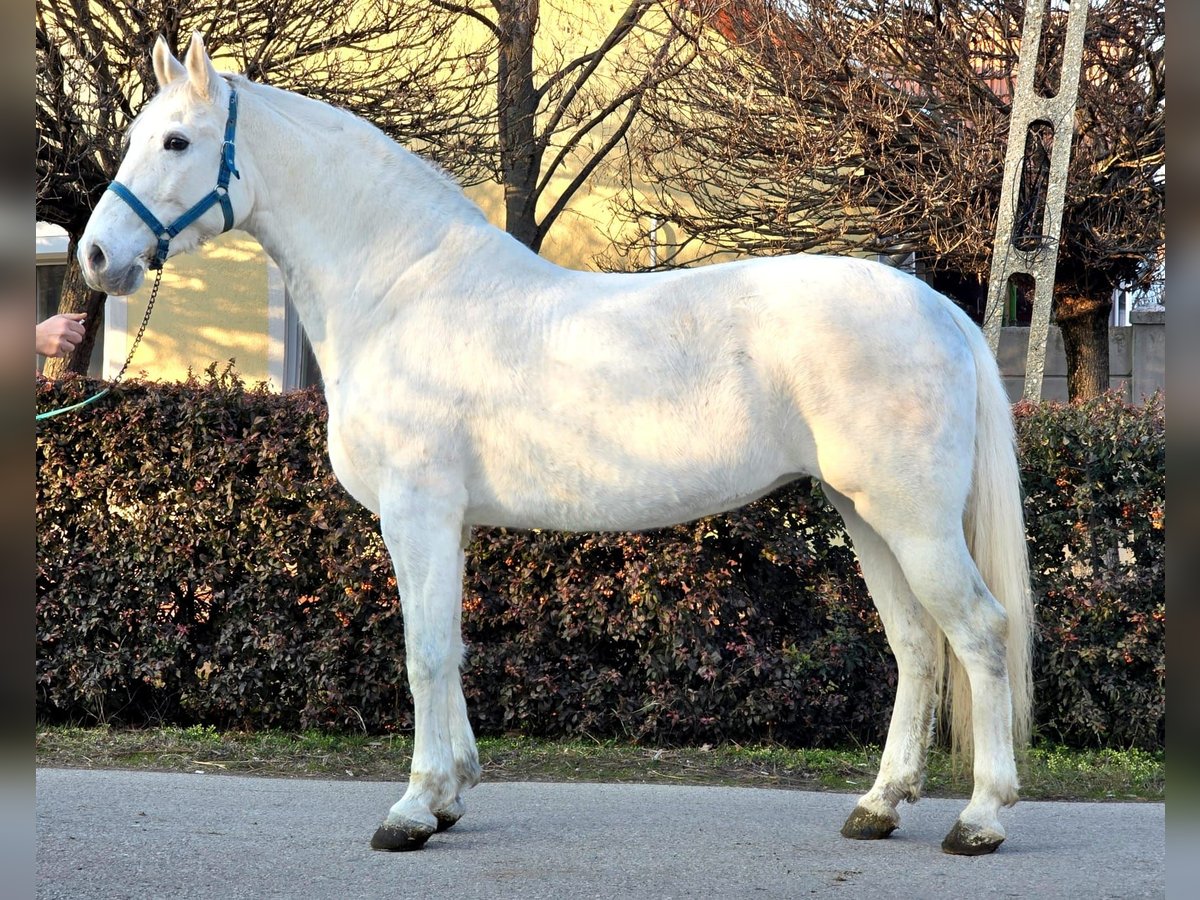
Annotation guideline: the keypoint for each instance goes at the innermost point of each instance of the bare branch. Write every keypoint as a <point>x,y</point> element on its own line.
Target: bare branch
<point>470,12</point>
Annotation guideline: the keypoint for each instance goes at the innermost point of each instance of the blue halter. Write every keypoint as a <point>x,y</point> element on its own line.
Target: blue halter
<point>219,195</point>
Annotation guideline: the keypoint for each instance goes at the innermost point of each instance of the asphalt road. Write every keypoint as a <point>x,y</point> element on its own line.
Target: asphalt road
<point>111,834</point>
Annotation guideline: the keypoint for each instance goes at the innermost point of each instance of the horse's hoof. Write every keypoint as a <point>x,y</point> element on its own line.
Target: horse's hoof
<point>971,840</point>
<point>451,814</point>
<point>401,837</point>
<point>864,825</point>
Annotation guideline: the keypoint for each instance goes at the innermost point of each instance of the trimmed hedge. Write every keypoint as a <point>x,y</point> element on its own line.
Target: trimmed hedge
<point>198,562</point>
<point>1095,477</point>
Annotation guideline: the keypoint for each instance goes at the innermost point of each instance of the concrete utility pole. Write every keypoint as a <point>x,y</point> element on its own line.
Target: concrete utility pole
<point>1059,113</point>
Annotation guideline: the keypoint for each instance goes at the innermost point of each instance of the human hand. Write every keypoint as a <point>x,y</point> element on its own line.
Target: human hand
<point>59,335</point>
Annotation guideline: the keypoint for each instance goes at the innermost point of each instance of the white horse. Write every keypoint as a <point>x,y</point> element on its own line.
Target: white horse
<point>471,382</point>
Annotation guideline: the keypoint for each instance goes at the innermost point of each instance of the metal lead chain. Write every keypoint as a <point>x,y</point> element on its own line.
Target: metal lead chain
<point>142,329</point>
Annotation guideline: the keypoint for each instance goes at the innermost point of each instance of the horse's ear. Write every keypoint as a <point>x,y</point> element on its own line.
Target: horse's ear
<point>202,77</point>
<point>166,67</point>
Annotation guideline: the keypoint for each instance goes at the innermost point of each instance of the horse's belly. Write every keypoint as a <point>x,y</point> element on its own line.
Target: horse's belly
<point>646,475</point>
<point>613,510</point>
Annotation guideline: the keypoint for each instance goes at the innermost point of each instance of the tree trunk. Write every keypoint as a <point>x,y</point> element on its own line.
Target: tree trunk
<point>77,297</point>
<point>1084,325</point>
<point>520,155</point>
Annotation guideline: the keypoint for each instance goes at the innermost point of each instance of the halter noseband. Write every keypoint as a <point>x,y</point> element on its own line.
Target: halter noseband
<point>219,195</point>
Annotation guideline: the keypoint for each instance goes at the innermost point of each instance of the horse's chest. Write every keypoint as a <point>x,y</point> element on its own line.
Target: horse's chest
<point>355,468</point>
<point>375,443</point>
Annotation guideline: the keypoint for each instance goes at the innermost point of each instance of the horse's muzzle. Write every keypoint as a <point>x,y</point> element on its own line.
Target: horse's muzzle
<point>102,274</point>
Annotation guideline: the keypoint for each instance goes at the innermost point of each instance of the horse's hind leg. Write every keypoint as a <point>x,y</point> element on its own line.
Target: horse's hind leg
<point>422,532</point>
<point>942,575</point>
<point>462,738</point>
<point>912,634</point>
<point>466,758</point>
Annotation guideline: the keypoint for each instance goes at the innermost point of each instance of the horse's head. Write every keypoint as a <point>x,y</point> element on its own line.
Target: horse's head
<point>176,155</point>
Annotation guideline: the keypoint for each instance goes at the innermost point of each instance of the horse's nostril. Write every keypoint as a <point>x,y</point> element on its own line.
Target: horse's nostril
<point>96,257</point>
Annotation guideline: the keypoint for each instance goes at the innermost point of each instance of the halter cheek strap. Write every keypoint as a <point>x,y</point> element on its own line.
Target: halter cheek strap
<point>218,196</point>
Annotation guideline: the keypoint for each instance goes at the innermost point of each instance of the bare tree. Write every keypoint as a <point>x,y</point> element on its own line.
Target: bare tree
<point>880,126</point>
<point>566,97</point>
<point>400,65</point>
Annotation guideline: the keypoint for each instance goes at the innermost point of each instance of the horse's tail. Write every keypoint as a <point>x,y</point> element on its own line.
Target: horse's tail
<point>995,531</point>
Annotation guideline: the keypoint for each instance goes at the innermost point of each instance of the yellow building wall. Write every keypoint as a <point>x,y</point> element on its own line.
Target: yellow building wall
<point>211,307</point>
<point>582,233</point>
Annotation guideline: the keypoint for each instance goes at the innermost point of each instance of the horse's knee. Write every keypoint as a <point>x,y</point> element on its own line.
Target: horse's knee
<point>432,661</point>
<point>955,596</point>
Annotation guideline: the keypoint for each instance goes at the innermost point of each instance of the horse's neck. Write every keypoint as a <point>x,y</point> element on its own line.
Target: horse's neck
<point>349,216</point>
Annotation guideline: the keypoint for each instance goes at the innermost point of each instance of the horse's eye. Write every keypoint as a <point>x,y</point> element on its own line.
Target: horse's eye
<point>175,142</point>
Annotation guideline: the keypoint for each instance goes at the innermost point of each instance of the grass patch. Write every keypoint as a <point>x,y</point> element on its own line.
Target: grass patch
<point>1050,772</point>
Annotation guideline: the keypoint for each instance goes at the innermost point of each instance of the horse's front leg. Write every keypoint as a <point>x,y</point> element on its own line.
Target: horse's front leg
<point>422,530</point>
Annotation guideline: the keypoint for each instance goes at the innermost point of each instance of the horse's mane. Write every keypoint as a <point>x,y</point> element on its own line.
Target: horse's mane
<point>316,115</point>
